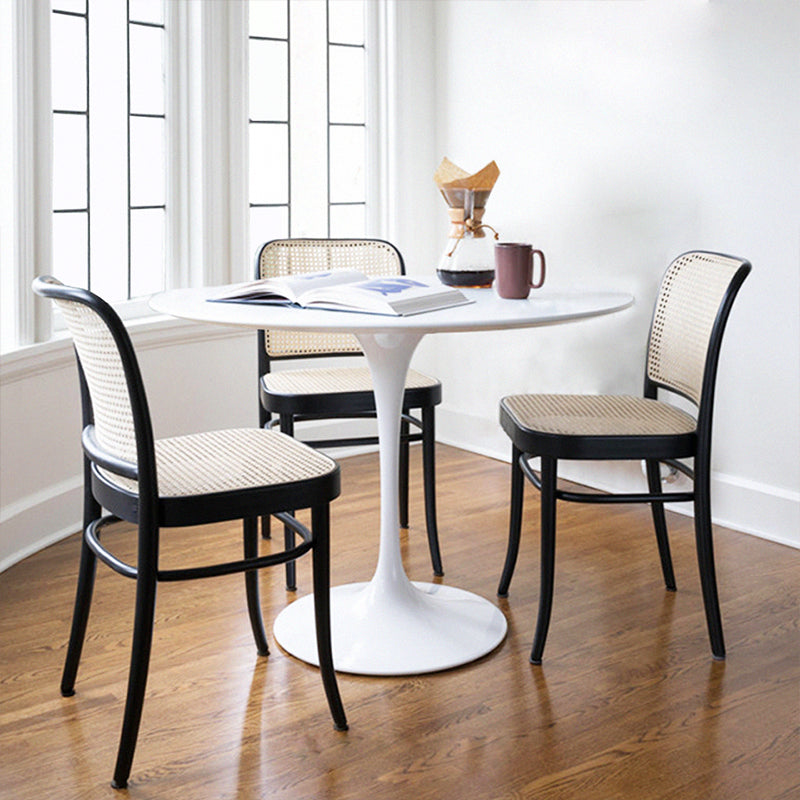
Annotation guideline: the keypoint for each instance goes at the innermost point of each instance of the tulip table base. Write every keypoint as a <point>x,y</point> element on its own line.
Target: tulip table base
<point>424,627</point>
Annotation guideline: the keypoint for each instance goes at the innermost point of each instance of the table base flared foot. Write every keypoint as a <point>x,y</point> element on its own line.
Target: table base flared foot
<point>428,629</point>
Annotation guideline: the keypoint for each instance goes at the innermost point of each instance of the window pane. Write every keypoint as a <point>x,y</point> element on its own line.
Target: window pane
<point>347,84</point>
<point>147,70</point>
<point>68,59</point>
<point>147,161</point>
<point>269,164</point>
<point>348,221</point>
<point>347,164</point>
<point>78,6</point>
<point>70,248</point>
<point>269,87</point>
<point>69,161</point>
<point>146,11</point>
<point>269,18</point>
<point>346,21</point>
<point>148,227</point>
<point>267,224</point>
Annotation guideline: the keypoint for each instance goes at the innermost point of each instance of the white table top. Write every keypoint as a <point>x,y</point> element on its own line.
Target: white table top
<point>488,312</point>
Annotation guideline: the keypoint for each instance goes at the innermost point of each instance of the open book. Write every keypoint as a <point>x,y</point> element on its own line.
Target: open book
<point>348,290</point>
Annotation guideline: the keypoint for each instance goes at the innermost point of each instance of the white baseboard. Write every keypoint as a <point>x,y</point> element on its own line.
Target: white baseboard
<point>761,510</point>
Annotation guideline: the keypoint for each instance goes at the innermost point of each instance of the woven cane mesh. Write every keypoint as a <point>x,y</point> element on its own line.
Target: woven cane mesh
<point>333,381</point>
<point>102,368</point>
<point>230,460</point>
<point>691,293</point>
<point>301,256</point>
<point>597,415</point>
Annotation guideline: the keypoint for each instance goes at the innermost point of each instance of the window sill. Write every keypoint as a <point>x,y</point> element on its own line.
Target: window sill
<point>147,333</point>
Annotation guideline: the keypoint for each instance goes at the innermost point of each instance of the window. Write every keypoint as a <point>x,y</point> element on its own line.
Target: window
<point>109,143</point>
<point>307,119</point>
<point>141,158</point>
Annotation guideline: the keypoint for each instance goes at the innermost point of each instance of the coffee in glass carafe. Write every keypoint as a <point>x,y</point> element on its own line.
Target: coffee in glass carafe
<point>468,258</point>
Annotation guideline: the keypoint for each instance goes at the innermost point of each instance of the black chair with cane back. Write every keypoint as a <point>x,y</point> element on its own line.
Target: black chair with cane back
<point>692,309</point>
<point>296,394</point>
<point>187,480</point>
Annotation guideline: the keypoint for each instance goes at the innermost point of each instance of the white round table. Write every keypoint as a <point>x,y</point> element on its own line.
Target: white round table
<point>389,625</point>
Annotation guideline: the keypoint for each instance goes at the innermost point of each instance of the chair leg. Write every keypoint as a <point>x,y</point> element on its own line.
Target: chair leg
<point>137,677</point>
<point>548,533</point>
<point>660,524</point>
<point>263,419</point>
<point>287,427</point>
<point>402,472</point>
<point>250,531</point>
<point>705,560</point>
<point>83,593</point>
<point>320,526</point>
<point>429,481</point>
<point>515,522</point>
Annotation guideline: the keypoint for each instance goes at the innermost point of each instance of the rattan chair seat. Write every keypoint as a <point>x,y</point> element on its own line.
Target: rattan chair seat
<point>597,415</point>
<point>333,381</point>
<point>229,461</point>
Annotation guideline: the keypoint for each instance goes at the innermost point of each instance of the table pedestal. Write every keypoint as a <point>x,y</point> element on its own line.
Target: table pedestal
<point>391,626</point>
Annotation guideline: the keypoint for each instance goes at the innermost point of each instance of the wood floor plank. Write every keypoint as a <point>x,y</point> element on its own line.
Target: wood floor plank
<point>628,702</point>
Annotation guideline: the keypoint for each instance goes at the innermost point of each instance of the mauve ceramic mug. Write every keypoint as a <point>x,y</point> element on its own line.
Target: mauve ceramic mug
<point>513,269</point>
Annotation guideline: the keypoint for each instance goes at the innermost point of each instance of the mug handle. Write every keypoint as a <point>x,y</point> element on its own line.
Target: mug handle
<point>541,272</point>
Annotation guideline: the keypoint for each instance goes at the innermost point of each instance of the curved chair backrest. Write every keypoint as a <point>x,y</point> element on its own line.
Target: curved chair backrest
<point>693,304</point>
<point>373,257</point>
<point>112,390</point>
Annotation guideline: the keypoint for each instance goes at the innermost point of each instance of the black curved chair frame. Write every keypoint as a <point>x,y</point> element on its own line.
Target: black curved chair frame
<point>291,409</point>
<point>653,450</point>
<point>151,512</point>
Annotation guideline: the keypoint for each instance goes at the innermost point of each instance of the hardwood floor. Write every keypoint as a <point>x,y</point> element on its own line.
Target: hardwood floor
<point>628,702</point>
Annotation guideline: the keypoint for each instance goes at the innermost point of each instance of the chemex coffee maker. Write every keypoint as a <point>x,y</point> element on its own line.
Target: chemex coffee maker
<point>468,258</point>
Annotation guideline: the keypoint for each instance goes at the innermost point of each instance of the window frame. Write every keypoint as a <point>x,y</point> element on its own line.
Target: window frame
<point>207,194</point>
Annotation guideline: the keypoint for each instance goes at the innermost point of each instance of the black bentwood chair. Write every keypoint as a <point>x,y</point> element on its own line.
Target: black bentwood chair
<point>693,305</point>
<point>181,481</point>
<point>341,392</point>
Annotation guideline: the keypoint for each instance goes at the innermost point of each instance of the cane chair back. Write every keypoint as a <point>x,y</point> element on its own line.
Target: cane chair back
<point>688,303</point>
<point>373,257</point>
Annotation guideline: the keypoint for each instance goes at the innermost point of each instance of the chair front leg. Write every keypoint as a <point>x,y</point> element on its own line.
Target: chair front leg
<point>515,521</point>
<point>287,427</point>
<point>140,662</point>
<point>548,546</point>
<point>660,523</point>
<point>250,532</point>
<point>84,590</point>
<point>320,526</point>
<point>705,559</point>
<point>429,483</point>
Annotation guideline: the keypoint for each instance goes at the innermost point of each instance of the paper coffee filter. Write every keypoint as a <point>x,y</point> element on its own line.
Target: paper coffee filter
<point>452,180</point>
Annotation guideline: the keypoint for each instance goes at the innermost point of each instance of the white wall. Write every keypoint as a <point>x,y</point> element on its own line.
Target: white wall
<point>626,133</point>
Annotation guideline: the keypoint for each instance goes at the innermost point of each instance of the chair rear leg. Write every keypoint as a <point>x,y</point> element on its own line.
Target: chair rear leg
<point>83,592</point>
<point>320,526</point>
<point>263,419</point>
<point>402,472</point>
<point>515,522</point>
<point>660,524</point>
<point>705,562</point>
<point>287,427</point>
<point>137,677</point>
<point>429,482</point>
<point>548,545</point>
<point>250,531</point>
